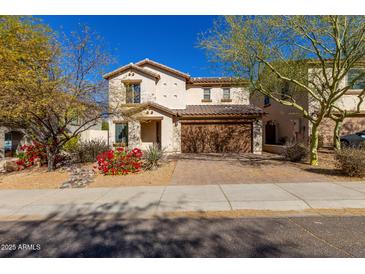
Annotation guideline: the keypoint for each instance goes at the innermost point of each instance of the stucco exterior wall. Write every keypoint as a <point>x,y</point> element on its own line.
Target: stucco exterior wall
<point>170,138</point>
<point>348,101</point>
<point>276,149</point>
<point>112,129</point>
<point>117,90</point>
<point>194,96</point>
<point>148,132</point>
<point>93,134</point>
<point>290,126</point>
<point>170,89</point>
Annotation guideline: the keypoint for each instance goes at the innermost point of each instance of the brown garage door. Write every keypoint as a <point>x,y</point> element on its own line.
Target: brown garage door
<point>216,137</point>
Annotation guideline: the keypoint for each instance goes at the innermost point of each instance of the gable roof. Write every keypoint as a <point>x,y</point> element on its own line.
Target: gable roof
<point>162,67</point>
<point>132,67</point>
<point>195,81</point>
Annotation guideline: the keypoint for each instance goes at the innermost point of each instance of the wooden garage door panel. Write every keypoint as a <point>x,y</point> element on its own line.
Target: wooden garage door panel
<point>216,137</point>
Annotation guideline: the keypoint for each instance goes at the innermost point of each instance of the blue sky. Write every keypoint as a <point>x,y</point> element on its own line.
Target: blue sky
<point>171,40</point>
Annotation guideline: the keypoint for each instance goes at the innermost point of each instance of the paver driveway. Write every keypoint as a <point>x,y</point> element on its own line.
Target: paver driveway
<point>201,169</point>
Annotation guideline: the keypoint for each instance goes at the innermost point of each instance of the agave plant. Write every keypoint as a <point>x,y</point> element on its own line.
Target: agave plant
<point>153,156</point>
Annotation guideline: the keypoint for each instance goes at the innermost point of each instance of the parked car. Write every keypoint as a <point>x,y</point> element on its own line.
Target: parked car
<point>353,140</point>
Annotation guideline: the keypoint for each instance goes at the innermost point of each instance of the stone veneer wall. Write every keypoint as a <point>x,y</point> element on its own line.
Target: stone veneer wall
<point>349,126</point>
<point>134,134</point>
<point>2,141</point>
<point>257,136</point>
<point>176,138</point>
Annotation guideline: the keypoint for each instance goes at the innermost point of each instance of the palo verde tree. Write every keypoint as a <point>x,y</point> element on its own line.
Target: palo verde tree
<point>50,86</point>
<point>298,61</point>
<point>356,82</point>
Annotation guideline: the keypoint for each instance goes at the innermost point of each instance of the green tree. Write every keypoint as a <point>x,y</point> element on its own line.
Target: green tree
<point>50,86</point>
<point>104,125</point>
<point>309,54</point>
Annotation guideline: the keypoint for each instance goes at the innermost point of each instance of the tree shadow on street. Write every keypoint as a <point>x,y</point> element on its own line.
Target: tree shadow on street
<point>116,230</point>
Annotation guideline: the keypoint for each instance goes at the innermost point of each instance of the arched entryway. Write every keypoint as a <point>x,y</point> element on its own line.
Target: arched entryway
<point>270,133</point>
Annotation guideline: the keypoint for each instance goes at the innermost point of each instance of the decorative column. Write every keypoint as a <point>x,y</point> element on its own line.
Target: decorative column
<point>2,141</point>
<point>176,136</point>
<point>134,134</point>
<point>257,136</point>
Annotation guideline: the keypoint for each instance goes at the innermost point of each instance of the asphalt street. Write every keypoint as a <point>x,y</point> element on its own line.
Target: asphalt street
<point>89,236</point>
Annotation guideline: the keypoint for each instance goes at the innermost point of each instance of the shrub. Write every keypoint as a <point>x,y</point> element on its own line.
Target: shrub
<point>152,157</point>
<point>28,154</point>
<point>72,145</point>
<point>296,152</point>
<point>120,161</point>
<point>351,161</point>
<point>86,151</point>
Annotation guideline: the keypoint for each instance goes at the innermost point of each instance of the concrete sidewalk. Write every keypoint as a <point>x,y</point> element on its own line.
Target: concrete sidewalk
<point>148,201</point>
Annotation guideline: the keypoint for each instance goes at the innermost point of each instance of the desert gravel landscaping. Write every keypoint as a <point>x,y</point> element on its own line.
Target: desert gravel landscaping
<point>39,178</point>
<point>34,178</point>
<point>160,176</point>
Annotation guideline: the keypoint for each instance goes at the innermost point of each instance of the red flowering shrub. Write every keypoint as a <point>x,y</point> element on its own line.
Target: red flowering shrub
<point>120,161</point>
<point>28,154</point>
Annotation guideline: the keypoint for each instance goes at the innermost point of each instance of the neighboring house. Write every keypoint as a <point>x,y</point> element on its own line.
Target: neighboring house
<point>94,132</point>
<point>283,124</point>
<point>181,113</point>
<point>12,138</point>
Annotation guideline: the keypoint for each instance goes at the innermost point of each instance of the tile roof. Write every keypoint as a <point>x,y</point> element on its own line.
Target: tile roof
<point>139,66</point>
<point>132,108</point>
<point>220,110</point>
<point>211,80</point>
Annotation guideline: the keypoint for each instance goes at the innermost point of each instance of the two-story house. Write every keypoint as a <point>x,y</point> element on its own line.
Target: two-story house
<point>283,124</point>
<point>181,113</point>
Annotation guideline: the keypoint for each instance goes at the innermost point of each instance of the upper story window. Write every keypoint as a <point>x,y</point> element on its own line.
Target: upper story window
<point>206,94</point>
<point>133,93</point>
<point>226,93</point>
<point>267,101</point>
<point>285,91</point>
<point>356,79</point>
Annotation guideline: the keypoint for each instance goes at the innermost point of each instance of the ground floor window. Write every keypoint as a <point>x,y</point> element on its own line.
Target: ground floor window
<point>8,147</point>
<point>11,142</point>
<point>121,133</point>
<point>356,79</point>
